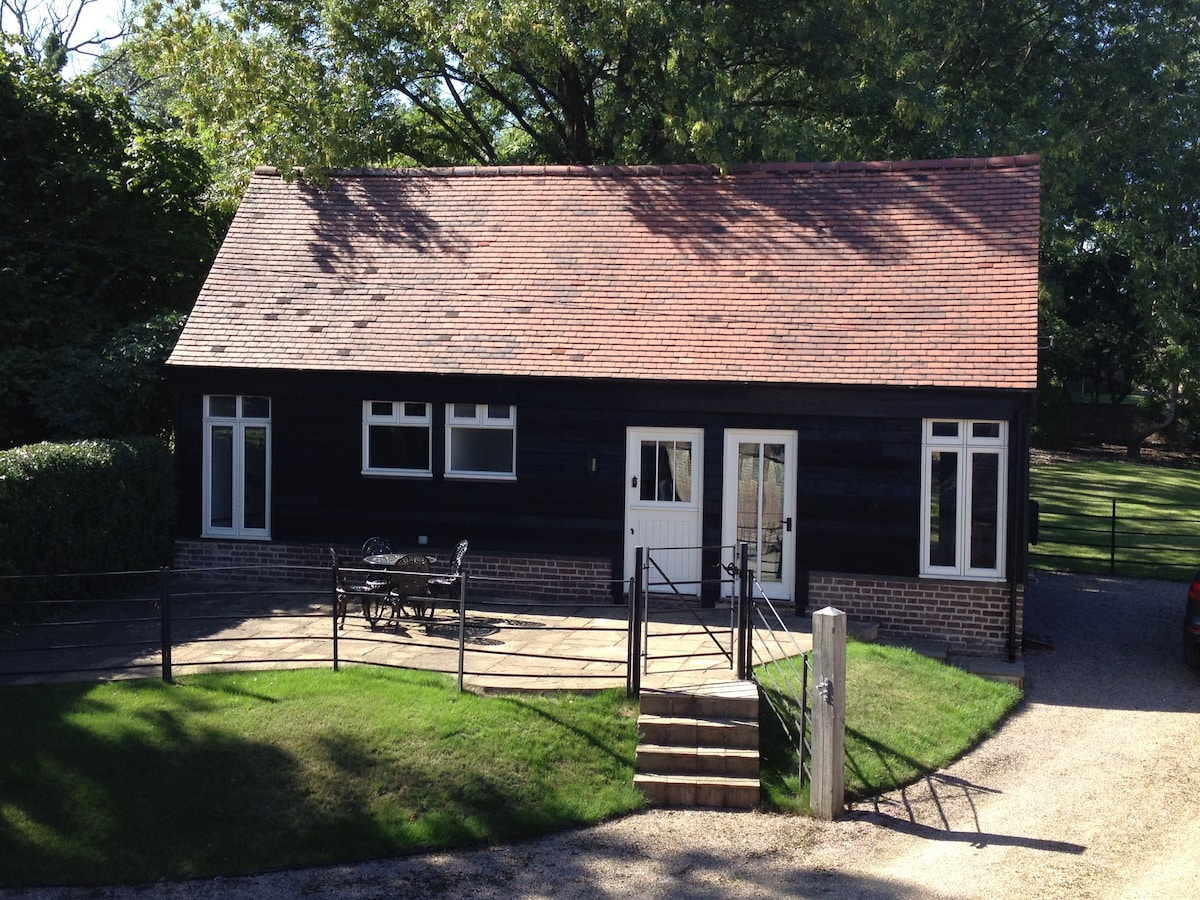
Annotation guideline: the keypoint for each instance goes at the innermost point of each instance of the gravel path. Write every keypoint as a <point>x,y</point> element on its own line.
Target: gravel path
<point>1087,792</point>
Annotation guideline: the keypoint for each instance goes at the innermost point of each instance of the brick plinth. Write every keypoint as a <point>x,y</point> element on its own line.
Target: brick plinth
<point>533,579</point>
<point>971,617</point>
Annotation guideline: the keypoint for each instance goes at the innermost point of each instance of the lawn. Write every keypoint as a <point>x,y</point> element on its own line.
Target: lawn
<point>1157,531</point>
<point>906,715</point>
<point>226,773</point>
<point>234,773</point>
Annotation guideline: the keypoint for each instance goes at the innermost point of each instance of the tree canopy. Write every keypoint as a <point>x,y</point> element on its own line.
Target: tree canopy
<point>1106,91</point>
<point>102,228</point>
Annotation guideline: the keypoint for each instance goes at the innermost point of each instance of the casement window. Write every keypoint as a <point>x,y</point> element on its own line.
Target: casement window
<point>395,438</point>
<point>481,440</point>
<point>963,484</point>
<point>237,466</point>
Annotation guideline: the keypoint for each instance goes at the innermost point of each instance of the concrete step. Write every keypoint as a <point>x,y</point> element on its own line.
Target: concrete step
<point>699,790</point>
<point>728,699</point>
<point>732,762</point>
<point>691,731</point>
<point>993,669</point>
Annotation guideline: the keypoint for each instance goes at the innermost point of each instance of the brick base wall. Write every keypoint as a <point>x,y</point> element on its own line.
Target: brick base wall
<point>531,579</point>
<point>970,616</point>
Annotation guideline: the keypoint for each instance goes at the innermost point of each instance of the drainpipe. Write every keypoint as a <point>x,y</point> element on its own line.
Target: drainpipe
<point>1018,490</point>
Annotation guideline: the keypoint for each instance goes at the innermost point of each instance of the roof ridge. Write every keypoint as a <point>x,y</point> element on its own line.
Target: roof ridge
<point>682,169</point>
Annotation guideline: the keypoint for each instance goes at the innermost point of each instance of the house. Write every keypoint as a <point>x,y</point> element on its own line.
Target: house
<point>834,362</point>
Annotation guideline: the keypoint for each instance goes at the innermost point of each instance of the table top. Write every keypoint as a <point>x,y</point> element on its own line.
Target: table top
<point>390,559</point>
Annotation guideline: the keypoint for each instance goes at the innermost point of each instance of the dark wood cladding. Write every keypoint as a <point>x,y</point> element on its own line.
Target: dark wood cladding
<point>859,460</point>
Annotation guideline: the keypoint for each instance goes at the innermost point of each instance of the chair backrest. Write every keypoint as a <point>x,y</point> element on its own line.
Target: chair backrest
<point>337,567</point>
<point>407,579</point>
<point>376,546</point>
<point>459,552</point>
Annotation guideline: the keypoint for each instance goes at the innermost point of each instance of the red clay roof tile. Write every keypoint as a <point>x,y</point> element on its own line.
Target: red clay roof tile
<point>890,273</point>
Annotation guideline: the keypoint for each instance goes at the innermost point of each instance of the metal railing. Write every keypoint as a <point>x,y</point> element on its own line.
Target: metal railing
<point>781,668</point>
<point>1118,544</point>
<point>183,625</point>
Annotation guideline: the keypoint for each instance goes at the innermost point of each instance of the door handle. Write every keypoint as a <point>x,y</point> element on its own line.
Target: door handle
<point>633,483</point>
<point>787,523</point>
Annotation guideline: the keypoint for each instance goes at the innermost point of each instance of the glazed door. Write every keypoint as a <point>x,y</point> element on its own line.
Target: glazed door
<point>758,505</point>
<point>663,477</point>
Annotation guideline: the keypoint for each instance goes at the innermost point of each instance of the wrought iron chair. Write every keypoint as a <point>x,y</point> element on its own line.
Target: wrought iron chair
<point>408,586</point>
<point>375,546</point>
<point>344,590</point>
<point>446,586</point>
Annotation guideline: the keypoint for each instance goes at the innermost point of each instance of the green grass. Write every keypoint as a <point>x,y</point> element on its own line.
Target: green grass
<point>1158,535</point>
<point>231,773</point>
<point>906,715</point>
<point>226,774</point>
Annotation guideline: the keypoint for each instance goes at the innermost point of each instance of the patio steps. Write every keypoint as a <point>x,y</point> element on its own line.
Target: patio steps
<point>698,746</point>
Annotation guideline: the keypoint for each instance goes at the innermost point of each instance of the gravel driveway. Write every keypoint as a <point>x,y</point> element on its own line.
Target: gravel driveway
<point>1088,791</point>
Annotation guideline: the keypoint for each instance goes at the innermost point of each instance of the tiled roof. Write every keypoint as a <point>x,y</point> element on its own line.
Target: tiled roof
<point>915,273</point>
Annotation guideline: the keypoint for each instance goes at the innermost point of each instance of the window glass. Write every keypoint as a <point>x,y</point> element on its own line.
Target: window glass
<point>481,440</point>
<point>237,467</point>
<point>985,429</point>
<point>256,407</point>
<point>985,509</point>
<point>943,509</point>
<point>481,450</point>
<point>398,447</point>
<point>963,498</point>
<point>396,437</point>
<point>222,407</point>
<point>220,476</point>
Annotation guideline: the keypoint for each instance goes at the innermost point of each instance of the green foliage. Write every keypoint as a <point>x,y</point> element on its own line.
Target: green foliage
<point>91,506</point>
<point>102,226</point>
<point>115,390</point>
<point>247,772</point>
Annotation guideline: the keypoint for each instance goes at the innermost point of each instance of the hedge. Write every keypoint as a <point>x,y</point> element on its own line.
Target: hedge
<point>84,507</point>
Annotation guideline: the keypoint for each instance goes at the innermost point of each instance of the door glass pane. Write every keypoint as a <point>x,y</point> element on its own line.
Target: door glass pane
<point>255,509</point>
<point>770,554</point>
<point>760,497</point>
<point>666,471</point>
<point>220,496</point>
<point>943,508</point>
<point>985,509</point>
<point>747,496</point>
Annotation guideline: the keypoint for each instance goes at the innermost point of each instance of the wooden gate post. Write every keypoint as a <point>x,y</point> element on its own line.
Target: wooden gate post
<point>828,792</point>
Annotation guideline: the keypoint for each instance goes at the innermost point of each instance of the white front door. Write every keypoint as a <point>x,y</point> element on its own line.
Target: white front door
<point>758,505</point>
<point>663,478</point>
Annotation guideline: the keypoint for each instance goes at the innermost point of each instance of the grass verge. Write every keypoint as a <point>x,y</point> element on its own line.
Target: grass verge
<point>1156,532</point>
<point>234,773</point>
<point>906,715</point>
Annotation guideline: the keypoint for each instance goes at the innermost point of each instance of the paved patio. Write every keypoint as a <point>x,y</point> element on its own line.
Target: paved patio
<point>506,646</point>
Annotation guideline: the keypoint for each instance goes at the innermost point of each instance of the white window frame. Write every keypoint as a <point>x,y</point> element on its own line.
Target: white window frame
<point>481,419</point>
<point>239,423</point>
<point>399,417</point>
<point>968,446</point>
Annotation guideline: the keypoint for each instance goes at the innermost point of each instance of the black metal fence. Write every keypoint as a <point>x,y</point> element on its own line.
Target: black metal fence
<point>190,620</point>
<point>1163,547</point>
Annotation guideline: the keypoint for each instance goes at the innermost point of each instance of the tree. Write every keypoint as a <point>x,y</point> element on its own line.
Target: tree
<point>1106,91</point>
<point>49,32</point>
<point>102,225</point>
